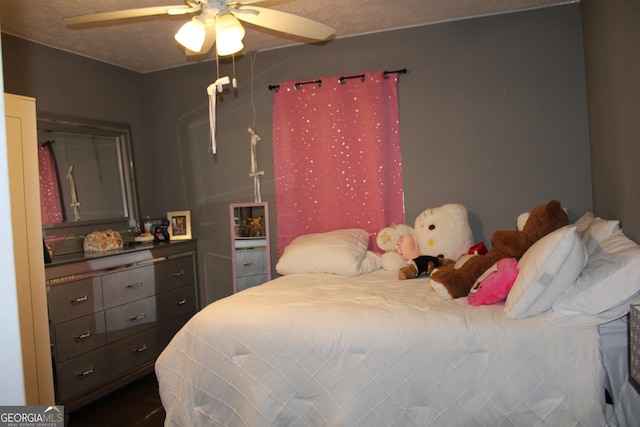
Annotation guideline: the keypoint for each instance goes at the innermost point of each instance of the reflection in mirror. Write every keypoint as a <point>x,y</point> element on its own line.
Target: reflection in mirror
<point>86,176</point>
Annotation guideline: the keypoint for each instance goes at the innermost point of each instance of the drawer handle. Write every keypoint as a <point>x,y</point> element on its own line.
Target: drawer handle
<point>85,373</point>
<point>181,302</point>
<point>247,264</point>
<point>138,317</point>
<point>83,336</point>
<point>79,300</point>
<point>140,349</point>
<point>178,273</point>
<point>134,285</point>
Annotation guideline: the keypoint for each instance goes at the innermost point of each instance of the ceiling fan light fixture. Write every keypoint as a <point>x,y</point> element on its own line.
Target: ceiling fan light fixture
<point>228,47</point>
<point>229,34</point>
<point>228,26</point>
<point>191,35</point>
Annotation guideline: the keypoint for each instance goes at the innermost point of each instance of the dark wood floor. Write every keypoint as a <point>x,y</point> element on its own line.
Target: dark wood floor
<point>135,405</point>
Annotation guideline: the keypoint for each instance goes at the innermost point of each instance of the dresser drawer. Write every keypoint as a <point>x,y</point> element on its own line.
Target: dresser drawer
<point>81,374</point>
<point>174,273</point>
<point>171,328</point>
<point>243,283</point>
<point>79,336</point>
<point>127,285</point>
<point>133,351</point>
<point>176,302</point>
<point>74,299</point>
<point>250,262</point>
<point>131,318</point>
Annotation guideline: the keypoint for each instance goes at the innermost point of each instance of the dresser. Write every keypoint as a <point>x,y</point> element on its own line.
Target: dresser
<point>250,263</point>
<point>111,315</point>
<point>250,244</point>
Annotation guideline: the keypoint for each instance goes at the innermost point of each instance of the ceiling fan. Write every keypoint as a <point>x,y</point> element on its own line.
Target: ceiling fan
<point>216,21</point>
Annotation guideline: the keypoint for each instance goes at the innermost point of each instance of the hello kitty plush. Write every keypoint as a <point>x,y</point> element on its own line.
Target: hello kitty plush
<point>442,234</point>
<point>444,231</point>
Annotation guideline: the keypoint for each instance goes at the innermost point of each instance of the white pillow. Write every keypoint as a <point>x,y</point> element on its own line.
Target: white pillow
<point>584,221</point>
<point>609,283</point>
<point>547,269</point>
<point>597,231</point>
<point>342,252</point>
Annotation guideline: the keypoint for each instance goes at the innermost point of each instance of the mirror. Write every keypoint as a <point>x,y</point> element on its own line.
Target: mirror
<point>86,176</point>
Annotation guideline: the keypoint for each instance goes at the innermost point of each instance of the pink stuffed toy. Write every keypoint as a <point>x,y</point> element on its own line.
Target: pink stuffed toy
<point>407,248</point>
<point>495,283</point>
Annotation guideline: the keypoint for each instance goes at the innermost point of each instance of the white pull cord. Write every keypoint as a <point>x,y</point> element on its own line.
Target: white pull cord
<point>255,173</point>
<point>211,91</point>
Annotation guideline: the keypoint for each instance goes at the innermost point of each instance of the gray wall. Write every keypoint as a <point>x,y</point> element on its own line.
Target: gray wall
<point>612,51</point>
<point>493,114</point>
<point>71,85</point>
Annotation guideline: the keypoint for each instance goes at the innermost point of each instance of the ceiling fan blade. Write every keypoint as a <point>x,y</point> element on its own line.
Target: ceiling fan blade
<point>209,40</point>
<point>284,22</point>
<point>131,13</point>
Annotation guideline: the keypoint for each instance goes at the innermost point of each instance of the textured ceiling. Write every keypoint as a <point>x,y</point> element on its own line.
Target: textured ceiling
<point>147,44</point>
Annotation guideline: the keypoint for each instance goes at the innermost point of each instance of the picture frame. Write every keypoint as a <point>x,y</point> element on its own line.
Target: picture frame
<point>179,225</point>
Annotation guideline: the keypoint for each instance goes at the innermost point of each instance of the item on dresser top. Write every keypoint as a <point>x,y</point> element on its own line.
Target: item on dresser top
<point>100,241</point>
<point>144,238</point>
<point>161,231</point>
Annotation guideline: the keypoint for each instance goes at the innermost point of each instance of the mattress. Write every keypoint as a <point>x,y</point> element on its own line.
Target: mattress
<point>371,350</point>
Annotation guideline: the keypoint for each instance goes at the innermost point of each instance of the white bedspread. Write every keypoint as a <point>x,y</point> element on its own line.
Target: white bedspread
<point>312,350</point>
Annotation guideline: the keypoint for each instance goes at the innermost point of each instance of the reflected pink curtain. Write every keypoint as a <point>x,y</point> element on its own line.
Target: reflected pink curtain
<point>337,157</point>
<point>50,206</point>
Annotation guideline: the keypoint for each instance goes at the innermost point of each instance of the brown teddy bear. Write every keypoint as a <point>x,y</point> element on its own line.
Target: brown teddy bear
<point>450,282</point>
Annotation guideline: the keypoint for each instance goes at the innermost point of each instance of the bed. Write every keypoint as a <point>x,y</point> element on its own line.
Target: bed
<point>355,346</point>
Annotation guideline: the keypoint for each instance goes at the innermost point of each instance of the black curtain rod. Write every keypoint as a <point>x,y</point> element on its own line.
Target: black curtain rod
<point>341,80</point>
<point>385,74</point>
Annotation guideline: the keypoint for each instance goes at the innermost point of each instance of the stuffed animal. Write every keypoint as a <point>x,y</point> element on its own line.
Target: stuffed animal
<point>495,283</point>
<point>424,264</point>
<point>397,250</point>
<point>451,282</point>
<point>442,234</point>
<point>427,263</point>
<point>255,226</point>
<point>444,231</point>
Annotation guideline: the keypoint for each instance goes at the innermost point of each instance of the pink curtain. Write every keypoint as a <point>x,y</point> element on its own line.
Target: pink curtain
<point>50,206</point>
<point>336,150</point>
